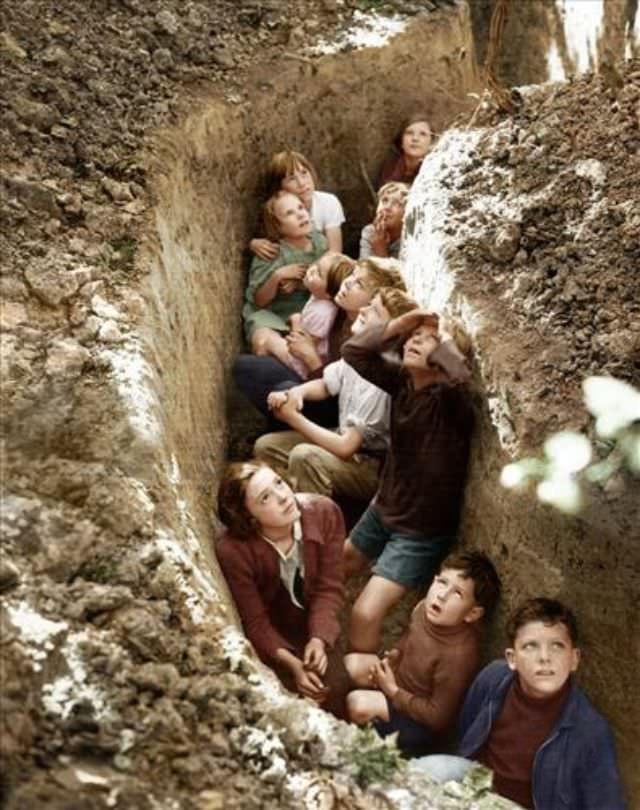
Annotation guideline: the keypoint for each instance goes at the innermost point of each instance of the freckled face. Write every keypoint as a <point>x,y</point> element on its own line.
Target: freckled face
<point>293,217</point>
<point>270,500</point>
<point>355,291</point>
<point>544,657</point>
<point>416,139</point>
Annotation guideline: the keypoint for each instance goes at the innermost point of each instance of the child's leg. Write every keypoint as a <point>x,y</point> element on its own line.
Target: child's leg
<point>365,543</point>
<point>364,705</point>
<point>370,608</point>
<point>353,559</point>
<point>358,666</point>
<point>265,341</point>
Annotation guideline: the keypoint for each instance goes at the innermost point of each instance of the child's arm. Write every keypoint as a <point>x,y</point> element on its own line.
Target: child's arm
<point>334,238</point>
<point>265,294</point>
<point>343,445</point>
<point>364,353</point>
<point>264,249</point>
<point>313,390</point>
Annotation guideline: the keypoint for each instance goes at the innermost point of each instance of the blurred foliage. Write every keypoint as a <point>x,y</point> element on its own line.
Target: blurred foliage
<point>572,461</point>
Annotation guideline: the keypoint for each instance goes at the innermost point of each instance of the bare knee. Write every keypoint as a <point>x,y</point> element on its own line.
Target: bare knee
<point>357,709</point>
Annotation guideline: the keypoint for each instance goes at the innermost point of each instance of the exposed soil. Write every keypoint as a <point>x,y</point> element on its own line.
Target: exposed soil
<point>82,87</point>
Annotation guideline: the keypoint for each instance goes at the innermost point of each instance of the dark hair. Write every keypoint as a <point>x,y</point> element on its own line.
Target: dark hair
<point>417,115</point>
<point>477,566</point>
<point>547,611</point>
<point>232,509</point>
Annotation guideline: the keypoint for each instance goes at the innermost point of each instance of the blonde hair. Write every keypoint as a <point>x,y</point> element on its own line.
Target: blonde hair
<point>395,301</point>
<point>395,189</point>
<point>283,164</point>
<point>460,336</point>
<point>383,272</point>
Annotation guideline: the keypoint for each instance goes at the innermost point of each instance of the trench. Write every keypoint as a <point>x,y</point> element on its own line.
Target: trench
<point>341,110</point>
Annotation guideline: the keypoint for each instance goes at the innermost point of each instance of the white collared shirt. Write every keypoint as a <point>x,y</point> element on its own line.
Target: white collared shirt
<point>291,562</point>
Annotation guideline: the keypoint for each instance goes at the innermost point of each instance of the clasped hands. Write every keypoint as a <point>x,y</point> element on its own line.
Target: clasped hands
<point>290,277</point>
<point>382,676</point>
<point>308,673</point>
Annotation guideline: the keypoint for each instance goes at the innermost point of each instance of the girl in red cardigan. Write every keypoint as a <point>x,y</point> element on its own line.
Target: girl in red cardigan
<point>282,558</point>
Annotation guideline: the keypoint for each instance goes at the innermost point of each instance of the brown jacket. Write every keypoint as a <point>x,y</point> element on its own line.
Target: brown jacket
<point>251,568</point>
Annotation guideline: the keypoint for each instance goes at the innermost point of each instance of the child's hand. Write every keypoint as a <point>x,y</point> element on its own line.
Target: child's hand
<point>406,323</point>
<point>291,272</point>
<point>380,239</point>
<point>264,249</point>
<point>276,399</point>
<point>393,656</point>
<point>295,322</point>
<point>315,656</point>
<point>385,678</point>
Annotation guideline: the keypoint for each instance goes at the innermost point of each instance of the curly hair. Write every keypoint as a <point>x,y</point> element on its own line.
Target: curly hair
<point>383,272</point>
<point>396,301</point>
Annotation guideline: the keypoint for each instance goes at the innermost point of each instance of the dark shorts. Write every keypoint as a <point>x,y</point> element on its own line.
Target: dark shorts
<point>413,737</point>
<point>411,560</point>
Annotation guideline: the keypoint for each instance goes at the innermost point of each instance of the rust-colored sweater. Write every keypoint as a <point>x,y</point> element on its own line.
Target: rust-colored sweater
<point>251,568</point>
<point>436,669</point>
<point>523,724</point>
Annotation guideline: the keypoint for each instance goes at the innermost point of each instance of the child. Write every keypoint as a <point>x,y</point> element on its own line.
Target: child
<point>291,171</point>
<point>412,144</point>
<point>527,720</point>
<point>382,236</point>
<point>280,556</point>
<point>345,462</point>
<point>323,280</point>
<point>418,687</point>
<point>413,517</point>
<point>274,292</point>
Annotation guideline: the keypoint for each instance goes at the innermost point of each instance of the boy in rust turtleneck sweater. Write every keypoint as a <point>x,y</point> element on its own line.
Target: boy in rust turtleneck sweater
<point>418,687</point>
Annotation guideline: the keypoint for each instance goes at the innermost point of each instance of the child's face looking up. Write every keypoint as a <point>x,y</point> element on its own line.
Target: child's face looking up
<point>419,346</point>
<point>543,655</point>
<point>451,599</point>
<point>355,291</point>
<point>390,211</point>
<point>416,139</point>
<point>371,314</point>
<point>299,181</point>
<point>293,217</point>
<point>315,279</point>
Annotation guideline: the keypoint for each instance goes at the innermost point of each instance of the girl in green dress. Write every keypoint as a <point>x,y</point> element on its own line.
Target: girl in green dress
<point>275,290</point>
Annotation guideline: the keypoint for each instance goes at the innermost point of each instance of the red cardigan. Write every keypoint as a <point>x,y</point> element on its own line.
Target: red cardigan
<point>252,571</point>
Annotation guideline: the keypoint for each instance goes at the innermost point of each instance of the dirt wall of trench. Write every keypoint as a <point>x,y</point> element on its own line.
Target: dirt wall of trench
<point>528,229</point>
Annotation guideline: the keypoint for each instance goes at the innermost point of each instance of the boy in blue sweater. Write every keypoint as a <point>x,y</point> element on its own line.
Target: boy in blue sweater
<point>527,720</point>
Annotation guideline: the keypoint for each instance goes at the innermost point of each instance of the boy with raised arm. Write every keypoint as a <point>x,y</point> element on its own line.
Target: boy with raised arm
<point>346,461</point>
<point>418,687</point>
<point>413,517</point>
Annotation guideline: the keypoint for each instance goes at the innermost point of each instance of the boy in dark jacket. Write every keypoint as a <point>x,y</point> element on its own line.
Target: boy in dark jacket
<point>527,720</point>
